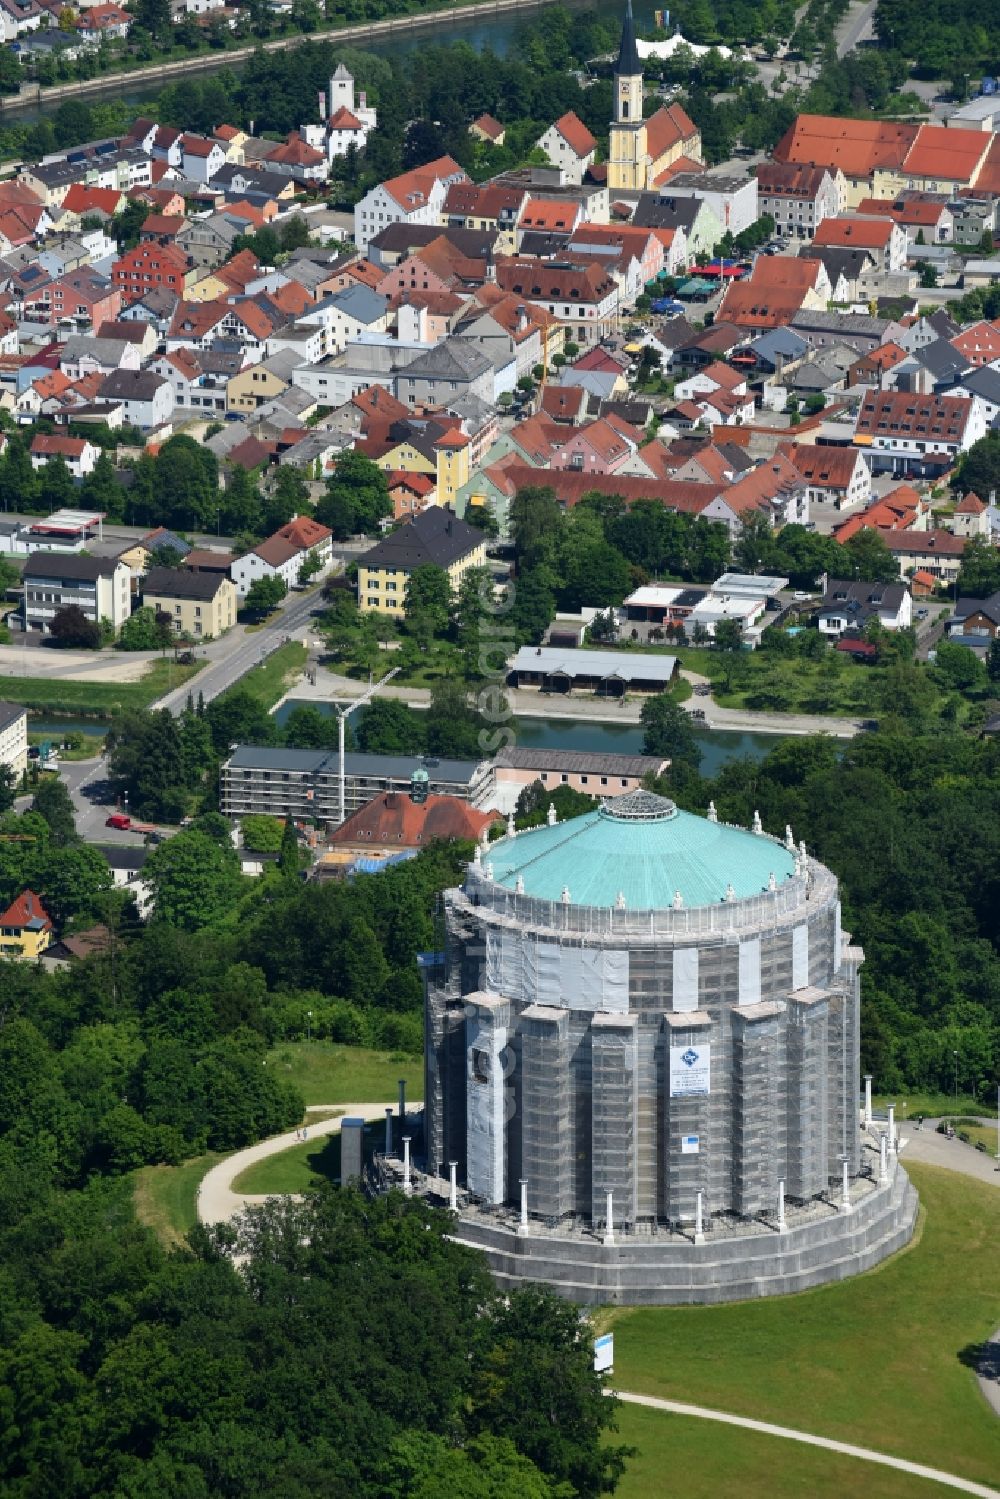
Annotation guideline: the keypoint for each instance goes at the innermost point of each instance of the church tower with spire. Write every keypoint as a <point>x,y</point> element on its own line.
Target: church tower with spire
<point>628,158</point>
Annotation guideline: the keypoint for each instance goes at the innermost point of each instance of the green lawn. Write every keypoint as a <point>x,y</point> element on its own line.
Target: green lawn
<point>981,1135</point>
<point>932,1105</point>
<point>324,1072</point>
<point>684,1456</point>
<point>165,1197</point>
<point>271,680</point>
<point>99,699</point>
<point>296,1169</point>
<point>882,1361</point>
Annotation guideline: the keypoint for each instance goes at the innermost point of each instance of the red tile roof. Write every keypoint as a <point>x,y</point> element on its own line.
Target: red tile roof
<point>377,403</point>
<point>392,820</point>
<point>412,190</point>
<point>83,200</point>
<point>822,467</point>
<point>62,447</point>
<point>668,127</point>
<point>345,120</point>
<point>304,532</point>
<point>773,294</point>
<point>295,152</point>
<point>197,145</point>
<point>550,214</point>
<point>421,484</point>
<point>163,225</point>
<point>871,234</point>
<point>897,511</point>
<point>789,179</point>
<point>970,505</point>
<point>925,543</point>
<point>563,402</point>
<point>905,415</point>
<point>952,155</point>
<point>570,487</point>
<point>675,169</point>
<point>26,911</point>
<point>575,133</point>
<point>857,147</point>
<point>488,126</point>
<point>980,343</point>
<point>988,177</point>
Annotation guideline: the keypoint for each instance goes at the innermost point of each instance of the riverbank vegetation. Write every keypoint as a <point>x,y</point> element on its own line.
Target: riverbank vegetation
<point>100,700</point>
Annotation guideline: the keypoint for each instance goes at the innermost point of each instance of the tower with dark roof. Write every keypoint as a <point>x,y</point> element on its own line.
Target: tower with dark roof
<point>627,154</point>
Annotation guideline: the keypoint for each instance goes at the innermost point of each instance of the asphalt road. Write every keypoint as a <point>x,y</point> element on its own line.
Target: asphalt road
<point>245,653</point>
<point>93,802</point>
<point>855,27</point>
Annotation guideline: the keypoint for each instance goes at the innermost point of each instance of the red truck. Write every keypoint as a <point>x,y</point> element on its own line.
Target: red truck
<point>125,824</point>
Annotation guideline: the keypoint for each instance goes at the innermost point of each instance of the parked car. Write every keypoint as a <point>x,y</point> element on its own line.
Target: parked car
<point>120,820</point>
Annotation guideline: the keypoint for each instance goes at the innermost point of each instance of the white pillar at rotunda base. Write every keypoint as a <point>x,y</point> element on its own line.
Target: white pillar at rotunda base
<point>453,1186</point>
<point>845,1191</point>
<point>609,1219</point>
<point>523,1227</point>
<point>699,1224</point>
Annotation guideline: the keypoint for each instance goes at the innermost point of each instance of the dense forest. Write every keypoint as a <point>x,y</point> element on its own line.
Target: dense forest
<point>943,38</point>
<point>358,1353</point>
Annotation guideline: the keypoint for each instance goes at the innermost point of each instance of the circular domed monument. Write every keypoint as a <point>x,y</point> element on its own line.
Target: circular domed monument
<point>642,1063</point>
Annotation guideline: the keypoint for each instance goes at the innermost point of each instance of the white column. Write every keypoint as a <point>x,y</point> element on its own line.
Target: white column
<point>453,1182</point>
<point>782,1225</point>
<point>845,1194</point>
<point>892,1127</point>
<point>407,1184</point>
<point>868,1100</point>
<point>522,1227</point>
<point>699,1233</point>
<point>609,1218</point>
<point>883,1164</point>
<point>388,1131</point>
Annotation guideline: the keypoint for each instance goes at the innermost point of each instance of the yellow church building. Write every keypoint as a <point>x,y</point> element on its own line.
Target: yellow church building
<point>645,154</point>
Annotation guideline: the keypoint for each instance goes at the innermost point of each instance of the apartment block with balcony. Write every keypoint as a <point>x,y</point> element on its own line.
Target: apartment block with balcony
<point>53,581</point>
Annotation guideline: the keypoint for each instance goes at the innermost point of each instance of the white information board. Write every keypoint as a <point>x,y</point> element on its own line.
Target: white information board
<point>604,1352</point>
<point>690,1068</point>
<point>690,1145</point>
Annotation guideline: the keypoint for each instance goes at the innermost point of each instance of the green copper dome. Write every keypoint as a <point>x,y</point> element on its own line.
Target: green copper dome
<point>642,848</point>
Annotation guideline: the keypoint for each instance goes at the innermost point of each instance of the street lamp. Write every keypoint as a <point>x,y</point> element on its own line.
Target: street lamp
<point>309,1025</point>
<point>955,1055</point>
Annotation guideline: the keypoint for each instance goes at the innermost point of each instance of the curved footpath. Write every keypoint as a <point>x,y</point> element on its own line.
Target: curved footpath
<point>217,1203</point>
<point>918,1470</point>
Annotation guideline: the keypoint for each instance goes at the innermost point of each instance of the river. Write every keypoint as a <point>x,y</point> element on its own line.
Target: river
<point>496,32</point>
<point>717,746</point>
